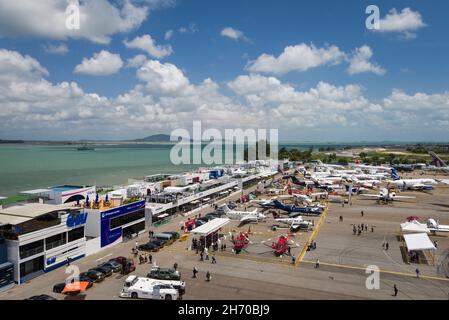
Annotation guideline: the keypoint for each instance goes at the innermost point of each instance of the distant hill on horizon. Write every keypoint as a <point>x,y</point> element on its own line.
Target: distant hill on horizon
<point>155,138</point>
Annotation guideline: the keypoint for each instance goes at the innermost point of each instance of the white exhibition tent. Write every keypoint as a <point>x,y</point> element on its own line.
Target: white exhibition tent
<point>418,242</point>
<point>210,227</point>
<point>414,227</point>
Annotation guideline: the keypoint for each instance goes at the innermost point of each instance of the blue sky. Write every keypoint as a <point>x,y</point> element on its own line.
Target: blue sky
<point>412,60</point>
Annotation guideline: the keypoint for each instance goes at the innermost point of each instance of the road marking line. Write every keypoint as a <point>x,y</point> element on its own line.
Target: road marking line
<point>382,271</point>
<point>108,255</point>
<point>312,236</point>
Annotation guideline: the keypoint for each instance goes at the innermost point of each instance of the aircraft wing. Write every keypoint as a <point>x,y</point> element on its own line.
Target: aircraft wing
<point>372,196</point>
<point>404,197</point>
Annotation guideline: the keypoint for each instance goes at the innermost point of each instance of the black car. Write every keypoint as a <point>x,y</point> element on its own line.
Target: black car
<point>115,266</point>
<point>175,235</point>
<point>158,242</point>
<point>41,297</point>
<point>107,271</point>
<point>151,247</point>
<point>95,275</point>
<point>59,287</point>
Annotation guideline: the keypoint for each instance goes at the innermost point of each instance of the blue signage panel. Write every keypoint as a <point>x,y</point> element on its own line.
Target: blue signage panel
<point>76,219</point>
<point>109,236</point>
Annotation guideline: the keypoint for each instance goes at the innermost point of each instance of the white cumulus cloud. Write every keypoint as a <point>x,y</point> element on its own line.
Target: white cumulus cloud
<point>360,62</point>
<point>102,63</point>
<point>406,22</point>
<point>300,57</point>
<point>146,43</point>
<point>99,19</point>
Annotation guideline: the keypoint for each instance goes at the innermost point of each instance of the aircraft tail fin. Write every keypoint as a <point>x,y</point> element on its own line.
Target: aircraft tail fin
<point>436,160</point>
<point>394,174</point>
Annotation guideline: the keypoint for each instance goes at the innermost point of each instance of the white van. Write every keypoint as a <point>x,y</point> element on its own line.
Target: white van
<point>145,288</point>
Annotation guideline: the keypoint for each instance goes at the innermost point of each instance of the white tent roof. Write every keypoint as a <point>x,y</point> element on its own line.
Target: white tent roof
<point>414,227</point>
<point>210,227</point>
<point>418,241</point>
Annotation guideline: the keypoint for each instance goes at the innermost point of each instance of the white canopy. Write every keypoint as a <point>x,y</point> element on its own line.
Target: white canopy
<point>414,227</point>
<point>210,227</point>
<point>3,198</point>
<point>418,242</point>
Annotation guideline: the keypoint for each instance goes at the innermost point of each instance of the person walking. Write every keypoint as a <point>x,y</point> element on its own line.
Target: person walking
<point>150,259</point>
<point>387,245</point>
<point>208,276</point>
<point>214,261</point>
<point>137,245</point>
<point>317,264</point>
<point>362,213</point>
<point>201,256</point>
<point>175,266</point>
<point>395,288</point>
<point>417,272</point>
<point>195,271</point>
<point>206,252</point>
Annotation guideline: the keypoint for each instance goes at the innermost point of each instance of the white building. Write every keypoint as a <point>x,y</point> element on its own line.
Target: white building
<point>42,237</point>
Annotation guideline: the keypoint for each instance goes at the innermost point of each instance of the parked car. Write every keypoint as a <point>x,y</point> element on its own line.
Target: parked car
<point>87,279</point>
<point>114,265</point>
<point>164,274</point>
<point>57,288</point>
<point>151,247</point>
<point>107,271</point>
<point>95,275</point>
<point>160,243</point>
<point>41,297</point>
<point>175,234</point>
<point>128,265</point>
<point>167,238</point>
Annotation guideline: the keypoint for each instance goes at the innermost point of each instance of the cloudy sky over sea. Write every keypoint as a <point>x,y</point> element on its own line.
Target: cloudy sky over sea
<point>312,69</point>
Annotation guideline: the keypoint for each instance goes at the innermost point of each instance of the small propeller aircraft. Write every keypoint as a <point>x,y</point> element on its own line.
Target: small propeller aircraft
<point>295,223</point>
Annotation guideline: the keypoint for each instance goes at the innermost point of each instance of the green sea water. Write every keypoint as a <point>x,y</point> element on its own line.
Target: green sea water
<point>31,166</point>
<point>25,167</point>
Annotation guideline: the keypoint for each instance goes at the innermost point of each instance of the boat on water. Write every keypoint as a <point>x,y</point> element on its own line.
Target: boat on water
<point>86,148</point>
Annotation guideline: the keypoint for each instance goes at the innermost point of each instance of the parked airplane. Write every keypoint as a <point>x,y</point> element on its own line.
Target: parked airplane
<point>432,226</point>
<point>295,223</point>
<point>413,184</point>
<point>244,216</point>
<point>386,196</point>
<point>295,211</point>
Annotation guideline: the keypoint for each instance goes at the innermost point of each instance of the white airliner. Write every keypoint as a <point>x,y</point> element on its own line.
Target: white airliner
<point>386,196</point>
<point>414,184</point>
<point>244,216</point>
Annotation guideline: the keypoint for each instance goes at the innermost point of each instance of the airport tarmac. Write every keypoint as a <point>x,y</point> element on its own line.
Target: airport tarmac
<point>258,274</point>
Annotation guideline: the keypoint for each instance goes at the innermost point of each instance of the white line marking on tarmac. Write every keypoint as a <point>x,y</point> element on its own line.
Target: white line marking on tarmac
<point>108,255</point>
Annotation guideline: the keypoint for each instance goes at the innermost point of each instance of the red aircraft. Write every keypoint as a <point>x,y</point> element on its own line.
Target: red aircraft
<point>280,247</point>
<point>240,242</point>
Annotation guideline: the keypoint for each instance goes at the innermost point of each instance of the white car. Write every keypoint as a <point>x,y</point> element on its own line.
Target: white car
<point>145,288</point>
